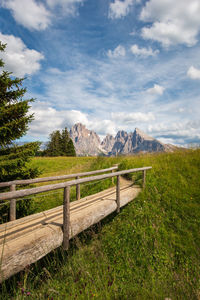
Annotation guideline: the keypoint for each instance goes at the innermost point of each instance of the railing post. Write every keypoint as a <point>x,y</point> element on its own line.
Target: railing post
<point>78,191</point>
<point>144,178</point>
<point>116,165</point>
<point>12,204</point>
<point>66,217</point>
<point>118,193</point>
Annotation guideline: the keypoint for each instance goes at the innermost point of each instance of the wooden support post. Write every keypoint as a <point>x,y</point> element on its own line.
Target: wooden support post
<point>66,217</point>
<point>12,204</point>
<point>144,179</point>
<point>78,191</point>
<point>116,165</point>
<point>118,193</point>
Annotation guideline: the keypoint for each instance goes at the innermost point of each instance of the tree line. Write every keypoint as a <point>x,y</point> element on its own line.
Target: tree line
<point>60,144</point>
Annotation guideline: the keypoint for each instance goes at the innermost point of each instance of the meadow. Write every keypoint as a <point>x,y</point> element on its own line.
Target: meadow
<point>148,251</point>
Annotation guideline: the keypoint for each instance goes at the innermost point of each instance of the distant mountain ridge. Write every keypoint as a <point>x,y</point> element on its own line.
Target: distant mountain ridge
<point>87,142</point>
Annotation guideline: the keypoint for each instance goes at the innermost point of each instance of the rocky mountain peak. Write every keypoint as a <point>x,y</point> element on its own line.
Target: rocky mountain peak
<point>108,142</point>
<point>87,142</point>
<point>121,134</point>
<point>143,135</point>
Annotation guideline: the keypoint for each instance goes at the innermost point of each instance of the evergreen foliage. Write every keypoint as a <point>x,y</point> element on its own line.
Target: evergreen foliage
<point>14,120</point>
<point>60,144</point>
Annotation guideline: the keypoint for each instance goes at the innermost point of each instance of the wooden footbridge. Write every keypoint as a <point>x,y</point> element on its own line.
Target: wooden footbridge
<point>26,240</point>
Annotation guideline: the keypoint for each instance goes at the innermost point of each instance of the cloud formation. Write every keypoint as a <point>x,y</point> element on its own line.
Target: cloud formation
<point>67,6</point>
<point>193,73</point>
<point>119,9</point>
<point>156,90</point>
<point>174,22</point>
<point>36,15</point>
<point>117,52</point>
<point>143,52</point>
<point>128,118</point>
<point>42,125</point>
<point>31,14</point>
<point>18,58</point>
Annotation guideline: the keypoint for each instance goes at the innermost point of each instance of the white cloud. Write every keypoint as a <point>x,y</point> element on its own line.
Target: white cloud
<point>193,73</point>
<point>119,9</point>
<point>156,90</point>
<point>180,133</point>
<point>117,52</point>
<point>29,13</point>
<point>174,22</point>
<point>48,119</point>
<point>144,52</point>
<point>128,118</point>
<point>97,88</point>
<point>18,58</point>
<point>67,6</point>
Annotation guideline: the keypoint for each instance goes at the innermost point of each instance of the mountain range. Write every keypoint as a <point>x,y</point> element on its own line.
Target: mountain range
<point>87,142</point>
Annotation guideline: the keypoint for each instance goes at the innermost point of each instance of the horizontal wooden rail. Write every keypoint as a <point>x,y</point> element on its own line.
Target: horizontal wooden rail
<point>56,186</point>
<point>54,178</point>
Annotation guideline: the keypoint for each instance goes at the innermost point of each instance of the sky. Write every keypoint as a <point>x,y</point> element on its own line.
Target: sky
<point>109,64</point>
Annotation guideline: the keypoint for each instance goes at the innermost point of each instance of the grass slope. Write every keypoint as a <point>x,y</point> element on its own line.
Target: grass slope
<point>148,251</point>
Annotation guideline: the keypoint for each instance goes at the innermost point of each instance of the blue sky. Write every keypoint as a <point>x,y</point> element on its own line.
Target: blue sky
<point>109,64</point>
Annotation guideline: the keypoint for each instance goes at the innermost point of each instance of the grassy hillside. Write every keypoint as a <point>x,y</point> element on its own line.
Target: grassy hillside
<point>149,251</point>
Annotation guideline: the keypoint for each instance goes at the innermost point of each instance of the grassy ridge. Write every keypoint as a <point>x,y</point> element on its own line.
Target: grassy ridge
<point>149,251</point>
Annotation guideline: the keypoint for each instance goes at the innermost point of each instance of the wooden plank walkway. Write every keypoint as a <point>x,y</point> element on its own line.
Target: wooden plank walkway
<point>26,240</point>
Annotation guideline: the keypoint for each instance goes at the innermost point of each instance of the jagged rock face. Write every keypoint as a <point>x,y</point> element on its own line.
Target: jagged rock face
<point>139,141</point>
<point>108,143</point>
<point>120,141</point>
<point>86,142</point>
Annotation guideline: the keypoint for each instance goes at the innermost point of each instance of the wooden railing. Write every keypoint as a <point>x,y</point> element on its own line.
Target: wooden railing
<point>14,183</point>
<point>66,198</point>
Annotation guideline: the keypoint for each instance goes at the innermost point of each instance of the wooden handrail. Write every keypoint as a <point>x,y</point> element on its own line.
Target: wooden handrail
<point>13,195</point>
<point>56,186</point>
<point>54,178</point>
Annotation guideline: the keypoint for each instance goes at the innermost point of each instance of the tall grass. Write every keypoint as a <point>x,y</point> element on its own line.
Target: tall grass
<point>148,251</point>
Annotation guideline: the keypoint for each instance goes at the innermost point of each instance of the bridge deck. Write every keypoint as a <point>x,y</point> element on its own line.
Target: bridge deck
<point>26,240</point>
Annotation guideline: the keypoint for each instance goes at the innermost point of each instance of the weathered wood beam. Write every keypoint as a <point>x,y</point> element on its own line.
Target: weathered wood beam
<point>78,190</point>
<point>54,178</point>
<point>66,217</point>
<point>144,179</point>
<point>56,186</point>
<point>13,204</point>
<point>118,194</point>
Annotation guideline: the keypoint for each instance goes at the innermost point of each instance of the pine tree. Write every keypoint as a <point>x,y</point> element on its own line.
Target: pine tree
<point>54,145</point>
<point>65,140</point>
<point>71,149</point>
<point>60,144</point>
<point>14,120</point>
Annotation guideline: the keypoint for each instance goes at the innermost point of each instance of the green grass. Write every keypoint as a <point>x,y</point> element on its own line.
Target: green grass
<point>54,166</point>
<point>148,251</point>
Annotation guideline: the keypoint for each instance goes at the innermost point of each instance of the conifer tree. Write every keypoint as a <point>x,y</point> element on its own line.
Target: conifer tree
<point>14,120</point>
<point>54,145</point>
<point>65,141</point>
<point>71,149</point>
<point>60,144</point>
